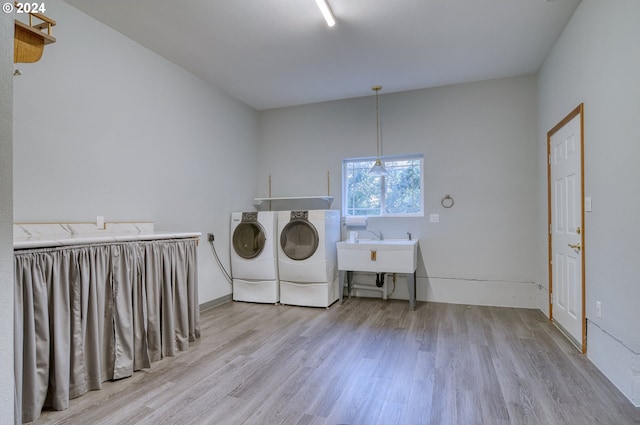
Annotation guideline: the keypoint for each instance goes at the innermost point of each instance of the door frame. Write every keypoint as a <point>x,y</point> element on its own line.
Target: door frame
<point>578,111</point>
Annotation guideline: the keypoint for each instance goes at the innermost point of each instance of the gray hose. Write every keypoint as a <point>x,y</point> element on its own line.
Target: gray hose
<point>215,254</point>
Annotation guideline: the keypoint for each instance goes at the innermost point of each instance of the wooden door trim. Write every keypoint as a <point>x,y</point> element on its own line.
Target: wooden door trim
<point>578,111</point>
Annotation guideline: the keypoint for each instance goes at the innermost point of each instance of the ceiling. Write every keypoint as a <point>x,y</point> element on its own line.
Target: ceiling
<point>275,53</point>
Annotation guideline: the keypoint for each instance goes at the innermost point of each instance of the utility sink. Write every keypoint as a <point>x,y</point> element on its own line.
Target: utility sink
<point>378,256</point>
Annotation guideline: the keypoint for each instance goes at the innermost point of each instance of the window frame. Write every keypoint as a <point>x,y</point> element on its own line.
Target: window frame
<point>384,160</point>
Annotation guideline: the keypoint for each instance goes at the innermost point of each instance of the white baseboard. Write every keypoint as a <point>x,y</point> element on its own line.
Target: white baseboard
<point>616,361</point>
<point>459,291</point>
<point>543,300</point>
<point>479,292</point>
<point>214,303</point>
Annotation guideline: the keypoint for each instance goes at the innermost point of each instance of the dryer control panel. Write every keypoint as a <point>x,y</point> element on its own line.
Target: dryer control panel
<point>299,215</point>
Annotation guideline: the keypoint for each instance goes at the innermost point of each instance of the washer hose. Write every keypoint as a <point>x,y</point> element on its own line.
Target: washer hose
<point>215,254</point>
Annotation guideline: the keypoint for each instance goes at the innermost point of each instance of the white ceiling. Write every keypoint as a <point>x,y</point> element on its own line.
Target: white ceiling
<point>274,53</point>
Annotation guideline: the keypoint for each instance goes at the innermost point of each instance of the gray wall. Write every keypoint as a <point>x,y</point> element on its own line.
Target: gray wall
<point>596,61</point>
<point>6,221</point>
<point>103,126</point>
<point>479,145</point>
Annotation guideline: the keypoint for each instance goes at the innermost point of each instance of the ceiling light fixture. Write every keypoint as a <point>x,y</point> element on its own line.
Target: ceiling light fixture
<point>326,12</point>
<point>378,169</point>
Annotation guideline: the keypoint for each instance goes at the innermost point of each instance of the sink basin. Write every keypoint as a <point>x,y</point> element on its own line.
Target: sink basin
<point>385,256</point>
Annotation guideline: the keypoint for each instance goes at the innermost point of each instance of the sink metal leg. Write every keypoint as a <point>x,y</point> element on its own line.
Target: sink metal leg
<point>411,286</point>
<point>385,288</point>
<point>341,274</point>
<point>341,277</point>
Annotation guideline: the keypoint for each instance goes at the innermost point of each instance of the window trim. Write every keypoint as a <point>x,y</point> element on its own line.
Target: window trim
<point>384,159</point>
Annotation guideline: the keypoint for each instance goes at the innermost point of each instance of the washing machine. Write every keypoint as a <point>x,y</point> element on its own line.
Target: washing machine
<point>254,261</point>
<point>307,257</point>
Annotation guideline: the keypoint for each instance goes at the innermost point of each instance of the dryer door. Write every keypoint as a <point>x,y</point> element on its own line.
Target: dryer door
<point>248,239</point>
<point>299,239</point>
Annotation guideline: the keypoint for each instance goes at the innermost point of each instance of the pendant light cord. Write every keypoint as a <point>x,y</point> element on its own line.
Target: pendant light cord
<point>377,89</point>
<point>378,169</point>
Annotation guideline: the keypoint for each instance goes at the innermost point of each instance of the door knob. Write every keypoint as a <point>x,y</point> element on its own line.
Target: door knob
<point>575,246</point>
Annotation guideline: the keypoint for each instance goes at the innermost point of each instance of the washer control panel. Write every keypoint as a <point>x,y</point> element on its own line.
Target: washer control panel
<point>250,216</point>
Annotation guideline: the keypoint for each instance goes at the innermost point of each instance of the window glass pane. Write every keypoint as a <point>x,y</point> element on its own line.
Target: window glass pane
<point>400,192</point>
<point>363,190</point>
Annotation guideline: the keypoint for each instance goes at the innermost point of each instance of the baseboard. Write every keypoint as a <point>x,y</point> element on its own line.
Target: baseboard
<point>495,293</point>
<point>214,303</point>
<point>458,291</point>
<point>543,300</point>
<point>616,361</point>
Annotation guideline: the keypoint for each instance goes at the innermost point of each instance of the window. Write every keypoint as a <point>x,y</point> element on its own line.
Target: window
<point>399,193</point>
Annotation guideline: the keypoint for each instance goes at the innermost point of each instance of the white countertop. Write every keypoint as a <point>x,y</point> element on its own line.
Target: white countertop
<point>27,236</point>
<point>45,241</point>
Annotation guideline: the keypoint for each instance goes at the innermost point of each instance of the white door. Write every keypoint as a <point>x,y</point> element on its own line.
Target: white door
<point>566,227</point>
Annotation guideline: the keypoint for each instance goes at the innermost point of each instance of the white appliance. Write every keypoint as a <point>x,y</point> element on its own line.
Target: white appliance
<point>254,261</point>
<point>307,257</point>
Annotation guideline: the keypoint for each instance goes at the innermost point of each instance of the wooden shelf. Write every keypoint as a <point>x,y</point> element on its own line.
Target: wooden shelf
<point>37,31</point>
<point>30,39</point>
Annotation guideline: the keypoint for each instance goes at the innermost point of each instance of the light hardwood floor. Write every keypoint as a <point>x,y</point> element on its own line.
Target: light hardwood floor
<point>365,362</point>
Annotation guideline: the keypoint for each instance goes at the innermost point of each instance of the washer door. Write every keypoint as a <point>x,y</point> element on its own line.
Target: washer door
<point>299,239</point>
<point>248,239</point>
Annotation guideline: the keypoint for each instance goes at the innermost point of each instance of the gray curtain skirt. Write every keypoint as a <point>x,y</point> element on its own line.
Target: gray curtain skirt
<point>92,313</point>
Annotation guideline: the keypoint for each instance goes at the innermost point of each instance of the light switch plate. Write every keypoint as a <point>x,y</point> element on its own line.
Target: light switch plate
<point>587,203</point>
<point>434,218</point>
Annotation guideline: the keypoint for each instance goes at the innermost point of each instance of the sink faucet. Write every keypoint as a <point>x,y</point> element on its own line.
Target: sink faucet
<point>377,235</point>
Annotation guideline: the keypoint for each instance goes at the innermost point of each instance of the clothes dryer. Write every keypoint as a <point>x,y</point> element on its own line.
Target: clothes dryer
<point>254,264</point>
<point>307,257</point>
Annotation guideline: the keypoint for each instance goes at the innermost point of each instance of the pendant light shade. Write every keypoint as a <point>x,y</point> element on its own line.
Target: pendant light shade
<point>377,169</point>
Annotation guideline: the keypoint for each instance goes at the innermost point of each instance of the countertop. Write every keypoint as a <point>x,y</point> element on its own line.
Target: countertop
<point>28,236</point>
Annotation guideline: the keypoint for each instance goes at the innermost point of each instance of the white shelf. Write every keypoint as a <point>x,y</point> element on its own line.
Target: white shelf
<point>294,202</point>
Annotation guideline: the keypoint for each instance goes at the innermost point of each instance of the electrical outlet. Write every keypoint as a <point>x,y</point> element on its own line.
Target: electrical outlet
<point>434,218</point>
<point>599,309</point>
<point>210,237</point>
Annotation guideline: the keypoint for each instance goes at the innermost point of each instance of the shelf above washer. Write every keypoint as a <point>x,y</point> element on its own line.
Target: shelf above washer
<point>294,203</point>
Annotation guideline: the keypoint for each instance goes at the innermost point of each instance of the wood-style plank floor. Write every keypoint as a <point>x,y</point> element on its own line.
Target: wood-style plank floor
<point>365,362</point>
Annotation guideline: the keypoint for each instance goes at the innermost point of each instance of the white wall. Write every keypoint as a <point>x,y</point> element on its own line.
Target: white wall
<point>479,144</point>
<point>596,61</point>
<point>103,126</point>
<point>6,221</point>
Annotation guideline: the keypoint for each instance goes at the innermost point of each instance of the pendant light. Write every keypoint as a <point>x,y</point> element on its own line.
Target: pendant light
<point>377,169</point>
